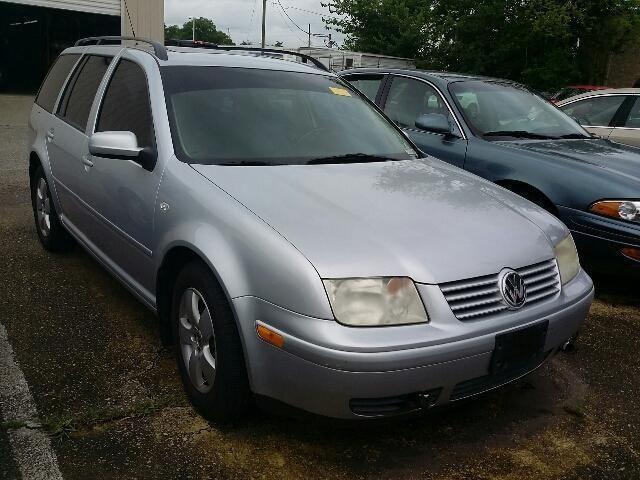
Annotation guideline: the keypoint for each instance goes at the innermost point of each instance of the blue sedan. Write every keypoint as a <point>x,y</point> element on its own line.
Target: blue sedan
<point>502,131</point>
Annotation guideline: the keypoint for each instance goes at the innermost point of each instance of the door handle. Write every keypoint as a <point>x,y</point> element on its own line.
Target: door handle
<point>86,161</point>
<point>50,135</point>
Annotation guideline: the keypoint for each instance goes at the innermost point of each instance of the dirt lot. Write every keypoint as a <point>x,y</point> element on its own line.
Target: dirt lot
<point>108,393</point>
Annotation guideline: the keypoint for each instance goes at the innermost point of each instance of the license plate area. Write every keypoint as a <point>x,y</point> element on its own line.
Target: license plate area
<point>518,348</point>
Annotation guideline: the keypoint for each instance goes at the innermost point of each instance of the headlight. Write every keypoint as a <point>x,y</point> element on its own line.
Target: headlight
<point>375,301</point>
<point>568,262</point>
<point>619,209</point>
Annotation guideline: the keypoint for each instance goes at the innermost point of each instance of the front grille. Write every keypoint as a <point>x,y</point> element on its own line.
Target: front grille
<point>387,406</point>
<point>480,297</point>
<point>479,385</point>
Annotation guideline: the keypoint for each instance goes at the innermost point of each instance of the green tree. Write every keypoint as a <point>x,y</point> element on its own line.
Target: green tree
<point>205,31</point>
<point>544,43</point>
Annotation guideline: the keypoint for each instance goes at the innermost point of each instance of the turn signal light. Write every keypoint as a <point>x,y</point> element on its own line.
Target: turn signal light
<point>633,253</point>
<point>270,336</point>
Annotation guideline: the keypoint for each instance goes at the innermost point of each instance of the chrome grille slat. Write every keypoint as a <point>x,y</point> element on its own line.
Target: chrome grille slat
<point>542,286</point>
<point>473,294</point>
<point>480,297</point>
<point>477,303</point>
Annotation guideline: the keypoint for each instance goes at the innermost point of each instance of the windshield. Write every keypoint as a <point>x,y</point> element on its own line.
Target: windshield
<point>505,110</point>
<point>239,116</point>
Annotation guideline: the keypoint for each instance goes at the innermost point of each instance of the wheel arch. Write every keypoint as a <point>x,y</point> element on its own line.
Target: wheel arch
<point>528,191</point>
<point>173,260</point>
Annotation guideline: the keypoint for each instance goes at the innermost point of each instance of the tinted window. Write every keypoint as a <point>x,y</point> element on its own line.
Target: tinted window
<point>249,116</point>
<point>81,90</point>
<point>408,99</point>
<point>126,104</point>
<point>595,111</point>
<point>52,85</point>
<point>368,86</point>
<point>634,116</point>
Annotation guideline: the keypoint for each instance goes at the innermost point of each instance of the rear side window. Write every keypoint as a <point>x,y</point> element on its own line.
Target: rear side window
<point>126,104</point>
<point>52,85</point>
<point>595,111</point>
<point>81,90</point>
<point>367,85</point>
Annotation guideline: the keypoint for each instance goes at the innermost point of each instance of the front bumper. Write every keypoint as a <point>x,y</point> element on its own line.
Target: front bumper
<point>600,241</point>
<point>333,370</point>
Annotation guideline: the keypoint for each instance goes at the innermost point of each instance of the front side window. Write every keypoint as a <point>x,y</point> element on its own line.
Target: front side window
<point>408,99</point>
<point>595,111</point>
<point>126,104</point>
<point>241,116</point>
<point>367,85</point>
<point>506,111</point>
<point>56,77</point>
<point>76,103</point>
<point>634,116</point>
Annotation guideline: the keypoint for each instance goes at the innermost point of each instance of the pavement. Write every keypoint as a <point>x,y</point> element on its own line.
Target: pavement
<point>108,398</point>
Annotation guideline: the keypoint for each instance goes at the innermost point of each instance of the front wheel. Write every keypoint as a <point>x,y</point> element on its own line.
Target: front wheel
<point>208,348</point>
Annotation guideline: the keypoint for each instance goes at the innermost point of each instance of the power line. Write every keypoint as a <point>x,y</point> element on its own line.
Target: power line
<point>291,19</point>
<point>293,32</point>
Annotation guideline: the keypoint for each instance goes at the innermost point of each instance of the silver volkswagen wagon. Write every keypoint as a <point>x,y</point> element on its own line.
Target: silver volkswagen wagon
<point>296,244</point>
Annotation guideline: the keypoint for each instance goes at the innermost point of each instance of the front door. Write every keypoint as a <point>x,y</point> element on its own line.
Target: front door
<point>121,193</point>
<point>408,99</point>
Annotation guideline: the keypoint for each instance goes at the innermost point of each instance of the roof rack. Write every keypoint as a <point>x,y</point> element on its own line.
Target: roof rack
<point>234,48</point>
<point>158,49</point>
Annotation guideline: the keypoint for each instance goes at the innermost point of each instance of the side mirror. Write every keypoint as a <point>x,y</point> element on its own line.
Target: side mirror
<point>434,122</point>
<point>120,146</point>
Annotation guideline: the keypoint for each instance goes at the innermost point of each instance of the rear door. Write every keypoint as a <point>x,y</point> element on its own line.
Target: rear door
<point>68,140</point>
<point>407,99</point>
<point>627,128</point>
<point>596,114</point>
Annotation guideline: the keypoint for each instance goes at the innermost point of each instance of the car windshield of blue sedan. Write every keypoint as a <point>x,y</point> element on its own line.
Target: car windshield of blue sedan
<point>242,116</point>
<point>508,111</point>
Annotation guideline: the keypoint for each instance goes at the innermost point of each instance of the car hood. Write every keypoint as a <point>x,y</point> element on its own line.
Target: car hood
<point>416,218</point>
<point>614,157</point>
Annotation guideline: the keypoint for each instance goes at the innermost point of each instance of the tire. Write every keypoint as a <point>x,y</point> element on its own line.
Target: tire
<point>53,236</point>
<point>221,394</point>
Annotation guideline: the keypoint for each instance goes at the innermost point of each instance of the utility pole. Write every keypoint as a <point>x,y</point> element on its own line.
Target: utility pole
<point>264,21</point>
<point>193,28</point>
<point>309,35</point>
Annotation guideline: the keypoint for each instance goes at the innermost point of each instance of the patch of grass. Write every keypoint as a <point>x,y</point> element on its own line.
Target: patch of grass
<point>59,428</point>
<point>12,425</point>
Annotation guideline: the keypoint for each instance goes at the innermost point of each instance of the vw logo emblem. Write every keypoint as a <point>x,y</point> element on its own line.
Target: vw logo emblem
<point>513,288</point>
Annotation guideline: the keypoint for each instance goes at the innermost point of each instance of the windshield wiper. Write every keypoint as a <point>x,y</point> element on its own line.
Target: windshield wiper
<point>349,158</point>
<point>518,134</point>
<point>575,135</point>
<point>248,163</point>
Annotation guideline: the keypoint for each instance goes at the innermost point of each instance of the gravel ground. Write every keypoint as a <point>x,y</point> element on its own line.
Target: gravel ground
<point>109,393</point>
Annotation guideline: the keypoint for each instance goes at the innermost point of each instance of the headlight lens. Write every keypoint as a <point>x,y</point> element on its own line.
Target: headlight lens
<point>568,262</point>
<point>619,209</point>
<point>375,301</point>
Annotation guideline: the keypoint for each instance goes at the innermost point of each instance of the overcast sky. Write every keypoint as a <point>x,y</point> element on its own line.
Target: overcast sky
<point>242,19</point>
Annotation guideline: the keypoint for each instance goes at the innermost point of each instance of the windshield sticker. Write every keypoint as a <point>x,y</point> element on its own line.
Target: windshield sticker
<point>343,92</point>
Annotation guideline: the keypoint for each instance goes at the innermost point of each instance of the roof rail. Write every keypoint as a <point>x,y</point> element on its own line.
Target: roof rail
<point>158,49</point>
<point>234,48</point>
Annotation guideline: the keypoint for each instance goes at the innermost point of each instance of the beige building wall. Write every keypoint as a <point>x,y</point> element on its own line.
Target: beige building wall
<point>144,17</point>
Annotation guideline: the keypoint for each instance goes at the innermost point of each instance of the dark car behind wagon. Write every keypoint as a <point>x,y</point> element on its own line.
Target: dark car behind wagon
<point>503,132</point>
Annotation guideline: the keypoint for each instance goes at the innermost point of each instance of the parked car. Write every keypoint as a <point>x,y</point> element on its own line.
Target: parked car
<point>572,90</point>
<point>612,114</point>
<point>297,244</point>
<point>503,132</point>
